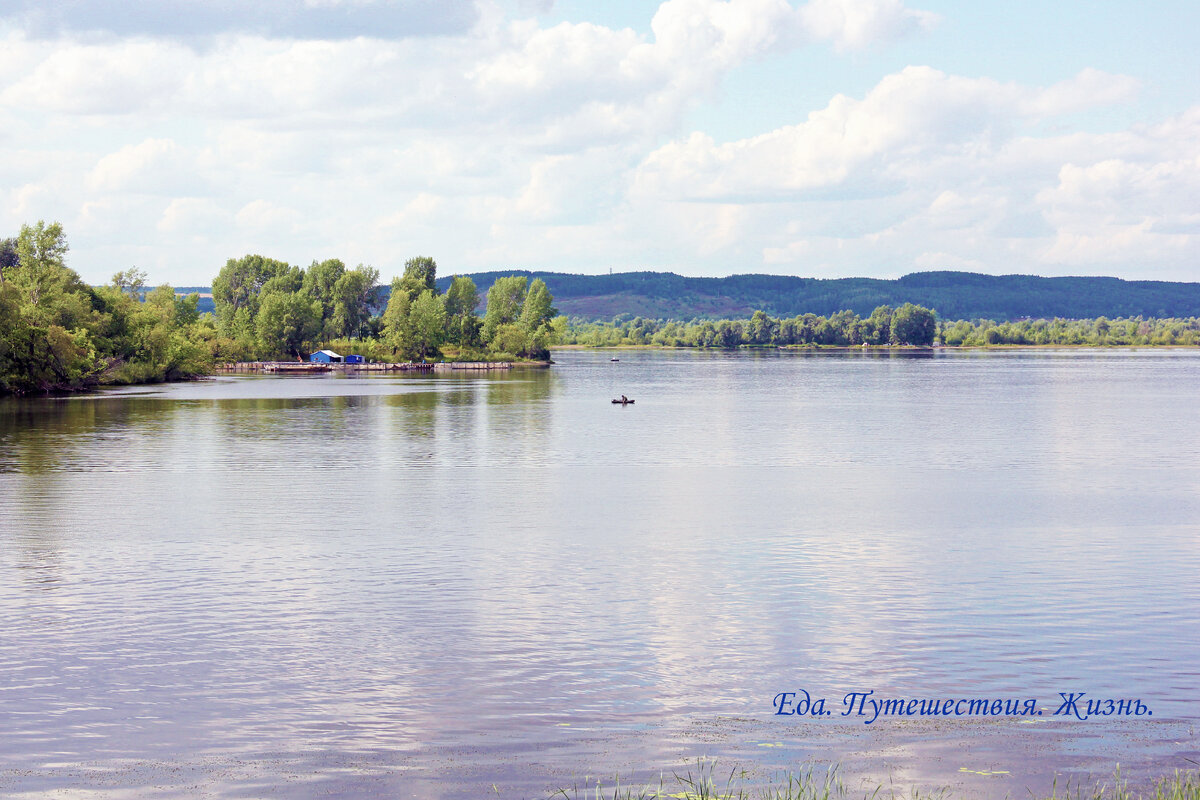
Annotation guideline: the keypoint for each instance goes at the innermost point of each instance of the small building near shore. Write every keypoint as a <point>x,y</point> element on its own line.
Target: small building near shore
<point>325,357</point>
<point>355,359</point>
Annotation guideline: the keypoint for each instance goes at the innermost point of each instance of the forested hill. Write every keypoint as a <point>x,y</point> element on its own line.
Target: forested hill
<point>954,295</point>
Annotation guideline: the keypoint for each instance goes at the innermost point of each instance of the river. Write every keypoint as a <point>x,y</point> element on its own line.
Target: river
<point>500,584</point>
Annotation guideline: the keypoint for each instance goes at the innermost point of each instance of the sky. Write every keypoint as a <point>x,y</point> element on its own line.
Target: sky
<point>827,138</point>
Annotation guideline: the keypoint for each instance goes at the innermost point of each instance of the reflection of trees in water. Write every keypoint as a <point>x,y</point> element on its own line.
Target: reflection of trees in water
<point>40,440</point>
<point>519,413</point>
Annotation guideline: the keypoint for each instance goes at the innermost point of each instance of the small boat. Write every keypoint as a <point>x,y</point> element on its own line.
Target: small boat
<point>614,359</point>
<point>623,401</point>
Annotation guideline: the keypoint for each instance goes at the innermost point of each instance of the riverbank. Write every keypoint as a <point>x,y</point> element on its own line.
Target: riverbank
<point>708,781</point>
<point>841,348</point>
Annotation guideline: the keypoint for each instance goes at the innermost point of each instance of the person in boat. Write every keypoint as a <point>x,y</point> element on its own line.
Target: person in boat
<point>624,399</point>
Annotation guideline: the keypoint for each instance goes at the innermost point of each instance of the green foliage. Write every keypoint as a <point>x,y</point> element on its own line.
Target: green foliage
<point>908,325</point>
<point>356,294</point>
<point>397,329</point>
<point>56,333</point>
<point>505,299</point>
<point>954,295</point>
<point>535,320</point>
<point>420,275</point>
<point>427,320</point>
<point>8,256</point>
<point>236,292</point>
<point>320,282</point>
<point>913,325</point>
<point>288,321</point>
<point>463,326</point>
<point>130,281</point>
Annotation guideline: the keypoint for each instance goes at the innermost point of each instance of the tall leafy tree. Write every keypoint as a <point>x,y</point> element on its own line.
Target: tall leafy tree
<point>397,331</point>
<point>462,323</point>
<point>428,322</point>
<point>41,269</point>
<point>913,324</point>
<point>420,275</point>
<point>8,256</point>
<point>288,322</point>
<point>357,293</point>
<point>536,315</point>
<point>130,281</point>
<point>320,281</point>
<point>505,299</point>
<point>236,291</point>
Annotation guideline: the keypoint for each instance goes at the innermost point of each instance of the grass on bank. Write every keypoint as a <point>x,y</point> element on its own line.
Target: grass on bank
<point>707,783</point>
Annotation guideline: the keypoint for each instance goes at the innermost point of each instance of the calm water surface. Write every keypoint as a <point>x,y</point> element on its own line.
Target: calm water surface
<point>500,584</point>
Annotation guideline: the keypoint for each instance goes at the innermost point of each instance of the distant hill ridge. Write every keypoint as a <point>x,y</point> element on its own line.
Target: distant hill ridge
<point>954,295</point>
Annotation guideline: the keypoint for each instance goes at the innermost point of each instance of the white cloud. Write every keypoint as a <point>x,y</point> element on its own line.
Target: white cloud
<point>266,216</point>
<point>513,143</point>
<point>908,119</point>
<point>324,19</point>
<point>150,167</point>
<point>198,216</point>
<point>854,24</point>
<point>1114,211</point>
<point>934,158</point>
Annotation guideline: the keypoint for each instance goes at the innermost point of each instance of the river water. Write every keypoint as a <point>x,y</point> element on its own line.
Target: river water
<point>500,584</point>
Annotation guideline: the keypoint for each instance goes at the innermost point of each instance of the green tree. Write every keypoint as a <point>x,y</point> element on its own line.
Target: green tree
<point>8,257</point>
<point>510,338</point>
<point>505,300</point>
<point>877,328</point>
<point>537,313</point>
<point>131,281</point>
<point>236,291</point>
<point>537,310</point>
<point>356,293</point>
<point>41,270</point>
<point>462,323</point>
<point>761,328</point>
<point>397,329</point>
<point>912,324</point>
<point>420,275</point>
<point>320,282</point>
<point>427,319</point>
<point>287,322</point>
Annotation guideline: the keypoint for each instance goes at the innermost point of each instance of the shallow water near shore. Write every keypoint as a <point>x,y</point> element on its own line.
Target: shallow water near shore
<point>457,586</point>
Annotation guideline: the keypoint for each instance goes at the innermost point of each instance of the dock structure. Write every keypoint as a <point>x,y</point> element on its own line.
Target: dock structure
<point>447,366</point>
<point>306,368</point>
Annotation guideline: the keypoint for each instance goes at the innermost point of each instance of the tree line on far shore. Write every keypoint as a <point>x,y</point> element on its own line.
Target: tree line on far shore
<point>58,333</point>
<point>907,325</point>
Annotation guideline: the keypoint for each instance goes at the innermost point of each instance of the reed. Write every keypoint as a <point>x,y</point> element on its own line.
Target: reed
<point>707,782</point>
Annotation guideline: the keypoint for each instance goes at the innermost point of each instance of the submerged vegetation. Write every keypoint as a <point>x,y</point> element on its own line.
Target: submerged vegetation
<point>59,334</point>
<point>706,783</point>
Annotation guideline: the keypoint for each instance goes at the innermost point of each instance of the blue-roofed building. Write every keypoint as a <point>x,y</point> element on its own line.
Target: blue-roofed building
<point>355,359</point>
<point>325,357</point>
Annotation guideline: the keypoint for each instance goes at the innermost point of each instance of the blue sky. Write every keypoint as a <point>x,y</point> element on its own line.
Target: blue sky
<point>824,138</point>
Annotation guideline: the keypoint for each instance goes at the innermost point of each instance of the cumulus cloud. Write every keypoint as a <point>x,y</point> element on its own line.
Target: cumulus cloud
<point>304,19</point>
<point>507,142</point>
<point>925,157</point>
<point>909,121</point>
<point>854,24</point>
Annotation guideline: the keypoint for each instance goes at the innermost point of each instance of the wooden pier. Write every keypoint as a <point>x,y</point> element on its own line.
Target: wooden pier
<point>446,366</point>
<point>306,367</point>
